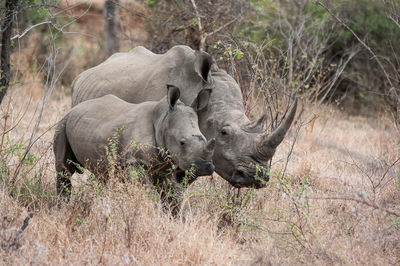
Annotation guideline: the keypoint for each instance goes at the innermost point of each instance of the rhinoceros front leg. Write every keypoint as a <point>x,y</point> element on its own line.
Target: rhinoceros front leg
<point>170,191</point>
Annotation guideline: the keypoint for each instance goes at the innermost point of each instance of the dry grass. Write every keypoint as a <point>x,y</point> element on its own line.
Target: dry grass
<point>289,222</point>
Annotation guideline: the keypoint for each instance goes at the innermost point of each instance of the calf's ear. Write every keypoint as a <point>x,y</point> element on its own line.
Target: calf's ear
<point>201,100</point>
<point>202,65</point>
<point>173,95</point>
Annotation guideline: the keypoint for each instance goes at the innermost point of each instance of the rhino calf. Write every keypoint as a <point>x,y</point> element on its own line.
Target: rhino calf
<point>167,125</point>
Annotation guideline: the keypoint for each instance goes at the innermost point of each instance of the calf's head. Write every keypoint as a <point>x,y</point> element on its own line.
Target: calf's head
<point>178,131</point>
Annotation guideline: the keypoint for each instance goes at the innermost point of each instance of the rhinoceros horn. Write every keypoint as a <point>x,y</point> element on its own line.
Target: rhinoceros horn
<point>269,142</point>
<point>211,145</point>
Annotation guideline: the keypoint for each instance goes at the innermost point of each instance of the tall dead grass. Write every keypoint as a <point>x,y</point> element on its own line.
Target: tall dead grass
<point>317,213</point>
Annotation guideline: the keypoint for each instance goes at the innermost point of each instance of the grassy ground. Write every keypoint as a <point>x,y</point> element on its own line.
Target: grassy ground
<point>333,206</point>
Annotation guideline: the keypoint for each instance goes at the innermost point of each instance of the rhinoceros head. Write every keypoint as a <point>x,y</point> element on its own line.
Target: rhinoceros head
<point>243,150</point>
<point>178,131</point>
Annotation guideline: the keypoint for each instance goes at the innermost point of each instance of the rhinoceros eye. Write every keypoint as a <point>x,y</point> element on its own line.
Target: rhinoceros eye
<point>182,142</point>
<point>224,132</point>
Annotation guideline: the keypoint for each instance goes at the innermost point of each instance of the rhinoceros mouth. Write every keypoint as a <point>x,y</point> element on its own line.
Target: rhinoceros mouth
<point>200,168</point>
<point>240,179</point>
<point>183,177</point>
<point>180,175</point>
<point>203,167</point>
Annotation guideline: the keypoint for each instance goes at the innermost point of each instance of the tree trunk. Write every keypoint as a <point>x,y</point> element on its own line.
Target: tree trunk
<point>110,12</point>
<point>6,27</point>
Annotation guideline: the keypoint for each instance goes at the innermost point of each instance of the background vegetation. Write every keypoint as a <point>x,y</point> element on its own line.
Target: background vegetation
<point>335,192</point>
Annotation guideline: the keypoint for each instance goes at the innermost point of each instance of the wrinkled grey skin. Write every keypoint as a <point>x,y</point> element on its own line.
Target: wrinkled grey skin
<point>140,75</point>
<point>84,132</point>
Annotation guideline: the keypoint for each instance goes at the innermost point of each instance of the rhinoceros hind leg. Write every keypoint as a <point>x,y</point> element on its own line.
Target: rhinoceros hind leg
<point>65,170</point>
<point>66,162</point>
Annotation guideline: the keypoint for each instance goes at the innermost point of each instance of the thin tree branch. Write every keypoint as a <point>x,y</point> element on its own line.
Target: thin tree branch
<point>19,36</point>
<point>196,10</point>
<point>372,205</point>
<point>223,26</point>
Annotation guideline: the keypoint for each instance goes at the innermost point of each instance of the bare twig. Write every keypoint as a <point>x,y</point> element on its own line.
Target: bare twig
<point>395,21</point>
<point>387,171</point>
<point>223,26</point>
<point>196,10</point>
<point>5,130</point>
<point>20,231</point>
<point>341,66</point>
<point>372,205</point>
<point>19,36</point>
<point>203,36</point>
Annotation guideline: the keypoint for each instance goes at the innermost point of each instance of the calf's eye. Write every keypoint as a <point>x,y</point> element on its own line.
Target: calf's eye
<point>224,132</point>
<point>182,142</point>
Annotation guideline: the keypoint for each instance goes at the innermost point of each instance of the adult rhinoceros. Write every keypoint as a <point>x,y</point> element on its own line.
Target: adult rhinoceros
<point>140,75</point>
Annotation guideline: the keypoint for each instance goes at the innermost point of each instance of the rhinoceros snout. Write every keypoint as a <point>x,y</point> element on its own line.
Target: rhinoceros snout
<point>241,179</point>
<point>204,168</point>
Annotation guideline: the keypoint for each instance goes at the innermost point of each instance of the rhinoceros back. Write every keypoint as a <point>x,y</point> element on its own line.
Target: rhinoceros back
<point>139,75</point>
<point>89,130</point>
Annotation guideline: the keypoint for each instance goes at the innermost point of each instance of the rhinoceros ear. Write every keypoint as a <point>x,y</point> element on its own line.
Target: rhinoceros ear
<point>173,95</point>
<point>202,65</point>
<point>201,100</point>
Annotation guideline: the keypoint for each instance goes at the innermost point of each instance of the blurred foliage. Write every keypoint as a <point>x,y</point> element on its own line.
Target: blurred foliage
<point>368,19</point>
<point>31,12</point>
<point>35,11</point>
<point>301,28</point>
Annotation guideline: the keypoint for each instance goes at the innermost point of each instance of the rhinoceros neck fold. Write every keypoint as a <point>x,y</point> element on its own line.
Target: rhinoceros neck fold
<point>226,100</point>
<point>228,116</point>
